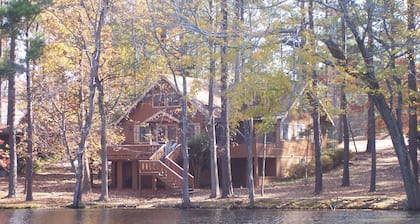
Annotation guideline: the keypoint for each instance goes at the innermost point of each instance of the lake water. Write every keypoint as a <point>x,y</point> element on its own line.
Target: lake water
<point>168,216</point>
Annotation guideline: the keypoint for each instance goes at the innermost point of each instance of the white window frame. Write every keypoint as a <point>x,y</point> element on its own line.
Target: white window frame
<point>299,129</point>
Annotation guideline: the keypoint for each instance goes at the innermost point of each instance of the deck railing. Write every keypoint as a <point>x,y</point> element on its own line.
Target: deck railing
<point>174,166</point>
<point>163,172</point>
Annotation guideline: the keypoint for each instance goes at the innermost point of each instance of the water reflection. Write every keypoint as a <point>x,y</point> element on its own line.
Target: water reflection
<point>168,216</point>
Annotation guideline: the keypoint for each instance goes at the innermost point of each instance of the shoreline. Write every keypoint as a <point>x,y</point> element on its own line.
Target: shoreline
<point>53,188</point>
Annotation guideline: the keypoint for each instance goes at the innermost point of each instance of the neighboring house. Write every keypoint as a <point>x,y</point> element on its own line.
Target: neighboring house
<point>152,128</point>
<point>150,154</point>
<point>290,143</point>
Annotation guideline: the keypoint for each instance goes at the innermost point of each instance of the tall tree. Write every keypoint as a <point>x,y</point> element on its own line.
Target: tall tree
<point>34,50</point>
<point>412,86</point>
<point>371,114</point>
<point>104,155</point>
<point>344,111</point>
<point>227,187</point>
<point>369,77</point>
<point>100,12</point>
<point>16,16</point>
<point>315,103</point>
<point>214,174</point>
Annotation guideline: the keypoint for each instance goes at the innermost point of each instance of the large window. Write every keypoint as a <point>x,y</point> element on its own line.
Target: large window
<point>169,99</point>
<point>155,133</point>
<point>299,131</point>
<point>173,99</point>
<point>159,100</point>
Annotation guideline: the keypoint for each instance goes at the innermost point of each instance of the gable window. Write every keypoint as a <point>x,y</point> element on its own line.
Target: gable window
<point>299,131</point>
<point>173,99</point>
<point>168,99</point>
<point>159,100</point>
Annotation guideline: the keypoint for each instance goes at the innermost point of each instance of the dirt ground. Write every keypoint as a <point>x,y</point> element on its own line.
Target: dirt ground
<point>53,188</point>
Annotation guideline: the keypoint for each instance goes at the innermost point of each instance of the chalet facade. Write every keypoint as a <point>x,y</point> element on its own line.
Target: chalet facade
<point>151,152</point>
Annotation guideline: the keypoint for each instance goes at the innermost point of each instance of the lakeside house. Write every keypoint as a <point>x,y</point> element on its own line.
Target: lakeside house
<point>150,155</point>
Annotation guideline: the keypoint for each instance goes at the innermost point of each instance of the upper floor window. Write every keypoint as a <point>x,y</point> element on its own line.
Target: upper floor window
<point>168,99</point>
<point>173,99</point>
<point>155,133</point>
<point>299,131</point>
<point>159,100</point>
<point>284,131</point>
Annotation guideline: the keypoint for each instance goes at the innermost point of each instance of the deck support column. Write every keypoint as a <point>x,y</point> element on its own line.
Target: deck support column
<point>119,174</point>
<point>154,180</point>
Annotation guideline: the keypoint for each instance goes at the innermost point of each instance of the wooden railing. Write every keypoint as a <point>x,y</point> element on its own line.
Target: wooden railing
<point>174,166</point>
<point>163,172</point>
<point>176,153</point>
<point>158,153</point>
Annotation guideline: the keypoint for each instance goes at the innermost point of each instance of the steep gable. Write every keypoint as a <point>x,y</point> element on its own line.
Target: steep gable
<point>197,94</point>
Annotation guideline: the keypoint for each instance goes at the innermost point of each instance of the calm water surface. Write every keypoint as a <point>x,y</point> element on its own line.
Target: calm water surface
<point>167,216</point>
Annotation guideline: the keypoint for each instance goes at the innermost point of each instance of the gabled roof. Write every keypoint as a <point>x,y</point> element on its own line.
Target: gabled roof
<point>159,116</point>
<point>197,93</point>
<point>297,98</point>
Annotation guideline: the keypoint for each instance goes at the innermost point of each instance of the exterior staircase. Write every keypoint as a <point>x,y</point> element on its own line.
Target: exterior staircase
<point>162,165</point>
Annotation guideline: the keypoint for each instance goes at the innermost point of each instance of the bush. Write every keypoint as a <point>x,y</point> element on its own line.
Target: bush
<point>329,160</point>
<point>38,166</point>
<point>298,170</point>
<point>327,163</point>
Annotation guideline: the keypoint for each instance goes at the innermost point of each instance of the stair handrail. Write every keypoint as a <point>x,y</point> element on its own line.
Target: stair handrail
<point>178,169</point>
<point>158,153</point>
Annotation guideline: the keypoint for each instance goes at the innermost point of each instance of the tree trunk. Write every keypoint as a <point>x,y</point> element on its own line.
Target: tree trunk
<point>346,137</point>
<point>371,113</point>
<point>84,132</point>
<point>78,191</point>
<point>344,121</point>
<point>411,185</point>
<point>250,167</point>
<point>214,174</point>
<point>104,155</point>
<point>315,108</point>
<point>412,89</point>
<point>87,178</point>
<point>371,132</point>
<point>372,146</point>
<point>215,190</point>
<point>29,117</point>
<point>185,188</point>
<point>263,164</point>
<point>227,188</point>
<point>11,123</point>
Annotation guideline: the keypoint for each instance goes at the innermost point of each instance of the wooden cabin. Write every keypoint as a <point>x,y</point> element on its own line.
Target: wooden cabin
<point>150,155</point>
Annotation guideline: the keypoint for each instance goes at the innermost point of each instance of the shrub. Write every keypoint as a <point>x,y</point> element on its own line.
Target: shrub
<point>327,163</point>
<point>329,159</point>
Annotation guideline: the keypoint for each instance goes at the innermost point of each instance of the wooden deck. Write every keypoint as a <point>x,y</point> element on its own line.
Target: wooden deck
<point>155,160</point>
